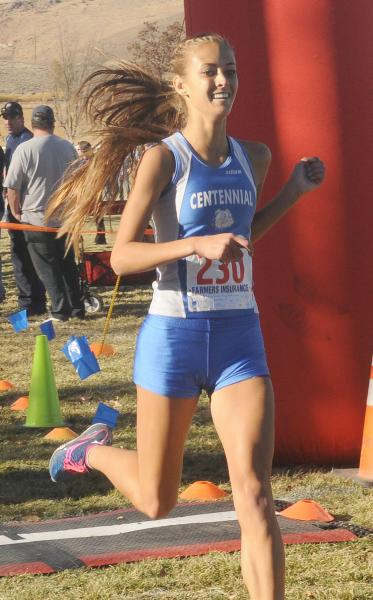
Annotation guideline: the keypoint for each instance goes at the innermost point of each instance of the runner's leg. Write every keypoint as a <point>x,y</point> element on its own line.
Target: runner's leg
<point>150,476</point>
<point>243,414</point>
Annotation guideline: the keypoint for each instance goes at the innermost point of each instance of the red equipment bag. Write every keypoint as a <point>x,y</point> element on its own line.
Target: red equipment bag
<point>99,272</point>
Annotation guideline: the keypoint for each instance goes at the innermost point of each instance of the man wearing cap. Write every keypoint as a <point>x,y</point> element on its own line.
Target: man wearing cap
<point>31,291</point>
<point>2,163</point>
<point>2,166</point>
<point>37,167</point>
<point>17,132</point>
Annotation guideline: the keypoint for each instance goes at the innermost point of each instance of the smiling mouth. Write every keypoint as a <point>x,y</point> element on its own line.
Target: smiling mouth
<point>221,96</point>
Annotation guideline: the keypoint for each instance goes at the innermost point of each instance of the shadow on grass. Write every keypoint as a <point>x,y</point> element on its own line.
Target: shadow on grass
<point>21,443</point>
<point>92,391</point>
<point>202,466</point>
<point>97,391</point>
<point>24,486</point>
<point>20,486</point>
<point>132,309</point>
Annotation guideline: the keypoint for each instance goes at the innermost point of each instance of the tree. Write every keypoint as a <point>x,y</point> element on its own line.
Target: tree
<point>68,71</point>
<point>154,46</point>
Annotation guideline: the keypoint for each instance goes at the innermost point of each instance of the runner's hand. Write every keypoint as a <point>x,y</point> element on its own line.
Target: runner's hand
<point>308,174</point>
<point>225,247</point>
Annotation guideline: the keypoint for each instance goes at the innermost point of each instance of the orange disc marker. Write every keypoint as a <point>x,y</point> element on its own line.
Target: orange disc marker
<point>5,385</point>
<point>61,434</point>
<point>20,404</point>
<point>307,510</point>
<point>100,349</point>
<point>203,490</point>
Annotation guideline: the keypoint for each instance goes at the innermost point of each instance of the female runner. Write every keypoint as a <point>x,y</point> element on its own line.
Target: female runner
<point>199,187</point>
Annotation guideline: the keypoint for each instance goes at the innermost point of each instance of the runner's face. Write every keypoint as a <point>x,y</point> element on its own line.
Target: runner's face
<point>210,83</point>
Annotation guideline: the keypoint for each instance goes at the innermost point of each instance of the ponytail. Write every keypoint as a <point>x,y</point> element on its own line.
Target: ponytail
<point>128,108</point>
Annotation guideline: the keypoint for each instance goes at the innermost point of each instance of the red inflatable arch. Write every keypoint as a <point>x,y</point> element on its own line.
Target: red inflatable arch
<point>306,88</point>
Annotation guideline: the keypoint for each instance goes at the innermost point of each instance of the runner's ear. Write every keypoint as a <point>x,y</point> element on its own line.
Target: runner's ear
<point>179,85</point>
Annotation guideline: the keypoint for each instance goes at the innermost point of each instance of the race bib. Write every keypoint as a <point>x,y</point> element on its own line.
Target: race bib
<point>214,285</point>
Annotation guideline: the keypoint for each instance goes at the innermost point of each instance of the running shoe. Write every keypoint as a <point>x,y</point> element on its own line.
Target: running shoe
<point>71,457</point>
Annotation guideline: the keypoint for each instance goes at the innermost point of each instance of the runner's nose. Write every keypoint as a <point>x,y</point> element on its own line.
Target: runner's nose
<point>220,79</point>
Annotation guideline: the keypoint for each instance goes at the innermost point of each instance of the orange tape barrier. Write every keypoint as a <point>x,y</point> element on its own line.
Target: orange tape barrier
<point>26,227</point>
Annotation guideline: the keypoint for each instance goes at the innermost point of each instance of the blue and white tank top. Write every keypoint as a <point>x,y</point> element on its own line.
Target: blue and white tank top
<point>205,200</point>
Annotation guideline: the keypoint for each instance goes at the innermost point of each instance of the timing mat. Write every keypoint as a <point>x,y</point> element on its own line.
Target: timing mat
<point>126,535</point>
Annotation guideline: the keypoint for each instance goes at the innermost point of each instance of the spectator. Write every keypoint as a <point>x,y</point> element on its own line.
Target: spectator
<point>12,112</point>
<point>2,166</point>
<point>2,163</point>
<point>85,152</point>
<point>37,167</point>
<point>31,292</point>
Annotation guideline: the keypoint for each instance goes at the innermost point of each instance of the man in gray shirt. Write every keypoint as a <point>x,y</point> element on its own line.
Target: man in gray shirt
<point>31,292</point>
<point>37,167</point>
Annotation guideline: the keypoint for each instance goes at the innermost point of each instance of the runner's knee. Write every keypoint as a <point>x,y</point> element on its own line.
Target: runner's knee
<point>253,501</point>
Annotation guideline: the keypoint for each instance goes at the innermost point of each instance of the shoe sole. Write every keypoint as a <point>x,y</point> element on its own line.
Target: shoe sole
<point>72,442</point>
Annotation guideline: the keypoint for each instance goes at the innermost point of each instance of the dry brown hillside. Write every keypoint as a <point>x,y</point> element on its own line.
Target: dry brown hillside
<point>30,30</point>
<point>30,38</point>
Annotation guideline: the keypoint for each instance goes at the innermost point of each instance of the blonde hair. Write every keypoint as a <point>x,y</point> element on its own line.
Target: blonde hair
<point>128,108</point>
<point>178,61</point>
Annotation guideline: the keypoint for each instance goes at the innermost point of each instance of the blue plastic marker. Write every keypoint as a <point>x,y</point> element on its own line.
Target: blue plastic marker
<point>106,414</point>
<point>78,352</point>
<point>47,329</point>
<point>19,320</point>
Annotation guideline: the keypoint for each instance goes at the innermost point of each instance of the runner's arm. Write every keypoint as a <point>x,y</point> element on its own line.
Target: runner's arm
<point>130,254</point>
<point>307,175</point>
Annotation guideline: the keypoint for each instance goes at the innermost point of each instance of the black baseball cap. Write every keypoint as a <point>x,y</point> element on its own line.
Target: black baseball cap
<point>11,109</point>
<point>43,113</point>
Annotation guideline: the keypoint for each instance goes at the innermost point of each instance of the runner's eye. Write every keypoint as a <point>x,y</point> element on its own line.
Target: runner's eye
<point>209,72</point>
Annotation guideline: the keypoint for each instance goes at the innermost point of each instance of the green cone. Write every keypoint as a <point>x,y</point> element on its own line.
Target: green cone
<point>44,404</point>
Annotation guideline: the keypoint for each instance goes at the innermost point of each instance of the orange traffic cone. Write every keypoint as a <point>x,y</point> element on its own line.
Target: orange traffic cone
<point>20,404</point>
<point>5,385</point>
<point>61,434</point>
<point>307,510</point>
<point>366,456</point>
<point>203,490</point>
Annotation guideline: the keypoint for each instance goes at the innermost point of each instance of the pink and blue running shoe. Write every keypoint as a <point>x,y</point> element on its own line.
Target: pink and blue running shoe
<point>71,457</point>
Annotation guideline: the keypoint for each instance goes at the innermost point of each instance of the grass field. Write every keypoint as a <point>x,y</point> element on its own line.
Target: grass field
<point>341,571</point>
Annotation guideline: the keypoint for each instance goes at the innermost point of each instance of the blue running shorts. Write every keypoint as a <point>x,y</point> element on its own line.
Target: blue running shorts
<point>179,357</point>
